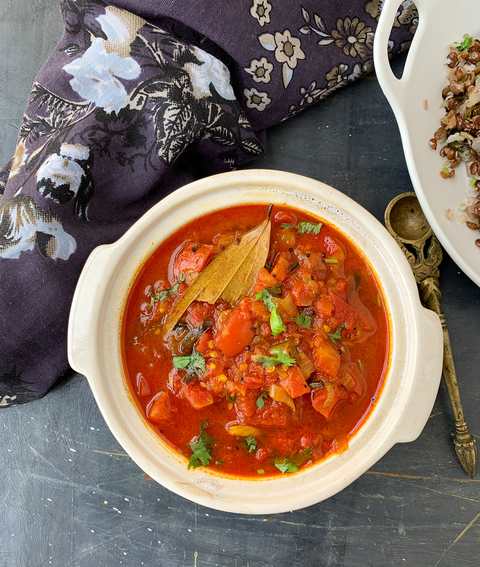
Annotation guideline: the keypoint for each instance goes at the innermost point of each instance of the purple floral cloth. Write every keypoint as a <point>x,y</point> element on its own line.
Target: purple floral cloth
<point>138,98</point>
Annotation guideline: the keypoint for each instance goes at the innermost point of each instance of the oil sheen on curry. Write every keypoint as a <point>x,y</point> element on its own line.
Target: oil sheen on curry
<point>255,340</point>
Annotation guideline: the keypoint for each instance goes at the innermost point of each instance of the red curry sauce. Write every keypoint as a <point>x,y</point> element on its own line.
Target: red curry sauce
<point>250,397</point>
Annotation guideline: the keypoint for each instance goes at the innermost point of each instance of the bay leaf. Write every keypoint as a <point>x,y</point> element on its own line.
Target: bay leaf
<point>230,275</point>
<point>244,279</point>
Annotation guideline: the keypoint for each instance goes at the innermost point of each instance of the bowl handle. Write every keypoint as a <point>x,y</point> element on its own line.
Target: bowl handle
<point>392,87</point>
<point>81,326</point>
<point>429,373</point>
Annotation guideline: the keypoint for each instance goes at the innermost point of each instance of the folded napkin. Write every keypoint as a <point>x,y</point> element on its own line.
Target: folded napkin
<point>137,99</point>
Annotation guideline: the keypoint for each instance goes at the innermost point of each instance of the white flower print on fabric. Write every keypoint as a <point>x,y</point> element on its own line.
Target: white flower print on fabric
<point>6,400</point>
<point>19,158</point>
<point>288,51</point>
<point>65,176</point>
<point>257,100</point>
<point>96,76</point>
<point>260,70</point>
<point>211,71</point>
<point>24,225</point>
<point>260,10</point>
<point>120,27</point>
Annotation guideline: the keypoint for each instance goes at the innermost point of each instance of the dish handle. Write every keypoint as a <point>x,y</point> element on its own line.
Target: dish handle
<point>429,372</point>
<point>81,322</point>
<point>393,87</point>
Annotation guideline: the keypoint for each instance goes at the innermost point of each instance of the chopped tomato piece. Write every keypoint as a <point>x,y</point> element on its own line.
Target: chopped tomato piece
<point>324,306</point>
<point>294,383</point>
<point>192,258</point>
<point>280,269</point>
<point>198,313</point>
<point>284,217</point>
<point>325,356</point>
<point>264,280</point>
<point>286,306</point>
<point>325,400</point>
<point>197,396</point>
<point>246,405</point>
<point>202,343</point>
<point>159,408</point>
<point>235,333</point>
<point>304,289</point>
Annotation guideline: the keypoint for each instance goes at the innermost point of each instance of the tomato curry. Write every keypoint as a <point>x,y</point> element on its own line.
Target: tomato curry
<point>276,381</point>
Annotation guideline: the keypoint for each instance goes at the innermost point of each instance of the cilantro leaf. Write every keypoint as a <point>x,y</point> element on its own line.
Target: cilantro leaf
<point>287,225</point>
<point>279,356</point>
<point>276,323</point>
<point>285,465</point>
<point>251,444</point>
<point>303,320</point>
<point>261,400</point>
<point>164,294</point>
<point>465,44</point>
<point>337,335</point>
<point>305,227</point>
<point>193,363</point>
<point>200,446</point>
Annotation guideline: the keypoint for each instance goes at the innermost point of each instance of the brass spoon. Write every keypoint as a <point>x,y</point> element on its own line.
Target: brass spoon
<point>406,222</point>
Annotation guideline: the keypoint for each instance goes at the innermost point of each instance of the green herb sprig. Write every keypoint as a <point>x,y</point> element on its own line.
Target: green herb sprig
<point>279,356</point>
<point>201,446</point>
<point>337,335</point>
<point>276,323</point>
<point>304,227</point>
<point>251,444</point>
<point>193,363</point>
<point>303,320</point>
<point>465,44</point>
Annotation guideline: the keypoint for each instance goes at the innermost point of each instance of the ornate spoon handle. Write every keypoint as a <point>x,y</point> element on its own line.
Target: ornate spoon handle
<point>465,445</point>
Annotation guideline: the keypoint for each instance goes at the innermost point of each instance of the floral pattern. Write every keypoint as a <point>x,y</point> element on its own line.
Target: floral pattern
<point>260,10</point>
<point>260,70</point>
<point>354,37</point>
<point>288,51</point>
<point>255,99</point>
<point>65,176</point>
<point>24,226</point>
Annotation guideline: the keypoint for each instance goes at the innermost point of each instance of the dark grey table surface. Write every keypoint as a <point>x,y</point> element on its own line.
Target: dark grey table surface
<point>70,496</point>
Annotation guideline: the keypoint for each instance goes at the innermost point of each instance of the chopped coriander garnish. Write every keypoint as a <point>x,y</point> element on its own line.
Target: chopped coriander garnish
<point>337,335</point>
<point>231,398</point>
<point>261,400</point>
<point>331,260</point>
<point>251,444</point>
<point>285,465</point>
<point>276,323</point>
<point>193,363</point>
<point>201,448</point>
<point>316,385</point>
<point>279,356</point>
<point>303,320</point>
<point>305,227</point>
<point>260,471</point>
<point>473,182</point>
<point>164,293</point>
<point>465,44</point>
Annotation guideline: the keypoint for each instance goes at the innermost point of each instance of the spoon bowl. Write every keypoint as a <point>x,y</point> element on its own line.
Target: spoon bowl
<point>405,218</point>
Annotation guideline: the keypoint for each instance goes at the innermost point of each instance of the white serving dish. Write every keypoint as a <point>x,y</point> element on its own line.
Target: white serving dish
<point>416,101</point>
<point>411,383</point>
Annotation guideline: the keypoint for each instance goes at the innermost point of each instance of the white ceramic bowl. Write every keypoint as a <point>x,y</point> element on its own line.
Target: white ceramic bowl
<point>399,415</point>
<point>440,24</point>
